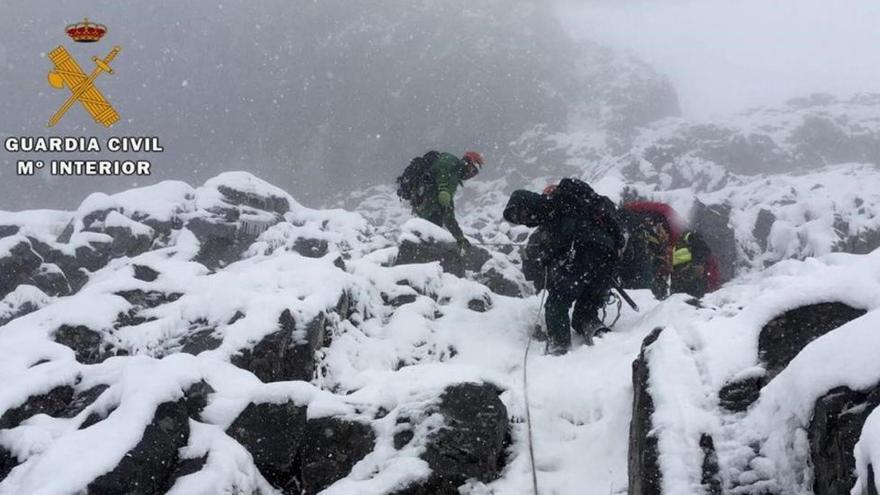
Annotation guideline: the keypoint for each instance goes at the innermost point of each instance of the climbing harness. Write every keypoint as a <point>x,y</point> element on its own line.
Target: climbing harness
<point>613,300</point>
<point>526,388</point>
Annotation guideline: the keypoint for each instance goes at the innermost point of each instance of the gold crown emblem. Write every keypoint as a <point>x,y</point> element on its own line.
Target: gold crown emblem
<point>85,31</point>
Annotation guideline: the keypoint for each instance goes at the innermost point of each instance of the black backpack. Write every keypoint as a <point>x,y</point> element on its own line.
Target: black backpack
<point>575,198</point>
<point>417,179</point>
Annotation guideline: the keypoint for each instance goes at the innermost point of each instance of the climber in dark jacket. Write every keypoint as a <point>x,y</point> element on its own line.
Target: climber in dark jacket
<point>695,268</point>
<point>578,241</point>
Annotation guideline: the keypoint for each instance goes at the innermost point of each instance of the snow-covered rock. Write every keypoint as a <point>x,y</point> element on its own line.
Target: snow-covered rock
<point>793,334</point>
<point>389,374</point>
<point>177,364</point>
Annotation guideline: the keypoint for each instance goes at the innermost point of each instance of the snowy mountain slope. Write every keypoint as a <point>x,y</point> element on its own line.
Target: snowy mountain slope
<point>706,156</point>
<point>226,338</point>
<point>715,371</point>
<point>151,339</point>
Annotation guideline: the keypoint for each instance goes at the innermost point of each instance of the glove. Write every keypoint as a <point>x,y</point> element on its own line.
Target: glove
<point>445,199</point>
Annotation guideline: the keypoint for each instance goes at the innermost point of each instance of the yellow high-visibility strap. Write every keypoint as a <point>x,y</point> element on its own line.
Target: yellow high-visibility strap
<point>681,256</point>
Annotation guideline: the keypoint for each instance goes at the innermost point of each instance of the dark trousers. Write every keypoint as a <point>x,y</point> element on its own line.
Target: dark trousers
<point>584,281</point>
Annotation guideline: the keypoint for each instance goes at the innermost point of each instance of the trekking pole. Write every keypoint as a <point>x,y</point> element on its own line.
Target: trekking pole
<point>632,304</point>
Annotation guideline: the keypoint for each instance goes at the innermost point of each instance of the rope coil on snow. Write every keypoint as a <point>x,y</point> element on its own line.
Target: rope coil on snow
<point>526,390</point>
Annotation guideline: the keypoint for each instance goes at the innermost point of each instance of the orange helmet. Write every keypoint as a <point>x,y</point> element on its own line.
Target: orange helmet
<point>473,157</point>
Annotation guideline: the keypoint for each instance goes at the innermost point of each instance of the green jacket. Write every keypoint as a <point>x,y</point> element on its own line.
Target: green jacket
<point>438,206</point>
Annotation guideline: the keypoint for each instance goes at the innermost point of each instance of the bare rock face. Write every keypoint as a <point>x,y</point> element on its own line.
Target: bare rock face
<point>763,226</point>
<point>285,354</point>
<point>786,335</point>
<point>711,478</point>
<point>51,403</point>
<point>872,488</point>
<point>311,248</point>
<point>499,284</point>
<point>200,341</point>
<point>332,446</point>
<point>147,469</point>
<point>7,462</point>
<point>273,434</point>
<point>219,240</point>
<point>88,344</point>
<point>275,204</point>
<point>145,273</point>
<point>644,466</point>
<point>8,230</point>
<point>75,275</point>
<point>838,418</point>
<point>17,266</point>
<point>51,280</point>
<point>739,395</point>
<point>713,224</point>
<point>82,400</point>
<point>447,254</point>
<point>470,445</point>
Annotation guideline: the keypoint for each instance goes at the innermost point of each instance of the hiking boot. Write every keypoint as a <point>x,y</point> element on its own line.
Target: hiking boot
<point>539,334</point>
<point>592,330</point>
<point>556,349</point>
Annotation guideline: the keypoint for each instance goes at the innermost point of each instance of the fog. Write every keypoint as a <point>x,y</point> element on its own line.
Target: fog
<point>326,97</point>
<point>726,56</point>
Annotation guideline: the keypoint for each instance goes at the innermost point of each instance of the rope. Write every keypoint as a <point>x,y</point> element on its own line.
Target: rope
<point>497,244</point>
<point>526,389</point>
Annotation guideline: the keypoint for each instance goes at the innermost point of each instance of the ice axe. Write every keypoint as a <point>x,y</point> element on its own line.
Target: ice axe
<point>632,304</point>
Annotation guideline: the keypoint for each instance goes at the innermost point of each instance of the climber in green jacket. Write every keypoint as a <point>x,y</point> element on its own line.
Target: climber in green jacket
<point>429,183</point>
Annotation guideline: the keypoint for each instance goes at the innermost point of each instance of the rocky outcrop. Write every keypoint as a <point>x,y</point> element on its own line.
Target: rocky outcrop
<point>88,344</point>
<point>711,477</point>
<point>643,464</point>
<point>273,434</point>
<point>306,456</point>
<point>837,422</point>
<point>471,443</point>
<point>499,284</point>
<point>451,258</point>
<point>200,341</point>
<point>147,468</point>
<point>713,224</point>
<point>781,339</point>
<point>52,403</point>
<point>785,336</point>
<point>17,266</point>
<point>763,226</point>
<point>286,354</point>
<point>7,462</point>
<point>738,395</point>
<point>8,230</point>
<point>219,243</point>
<point>82,400</point>
<point>872,487</point>
<point>267,202</point>
<point>803,134</point>
<point>332,447</point>
<point>447,254</point>
<point>73,269</point>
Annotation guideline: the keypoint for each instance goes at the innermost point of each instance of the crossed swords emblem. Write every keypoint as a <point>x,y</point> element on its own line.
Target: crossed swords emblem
<point>82,88</point>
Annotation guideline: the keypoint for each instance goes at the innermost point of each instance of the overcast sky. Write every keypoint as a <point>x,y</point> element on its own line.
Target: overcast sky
<point>727,55</point>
